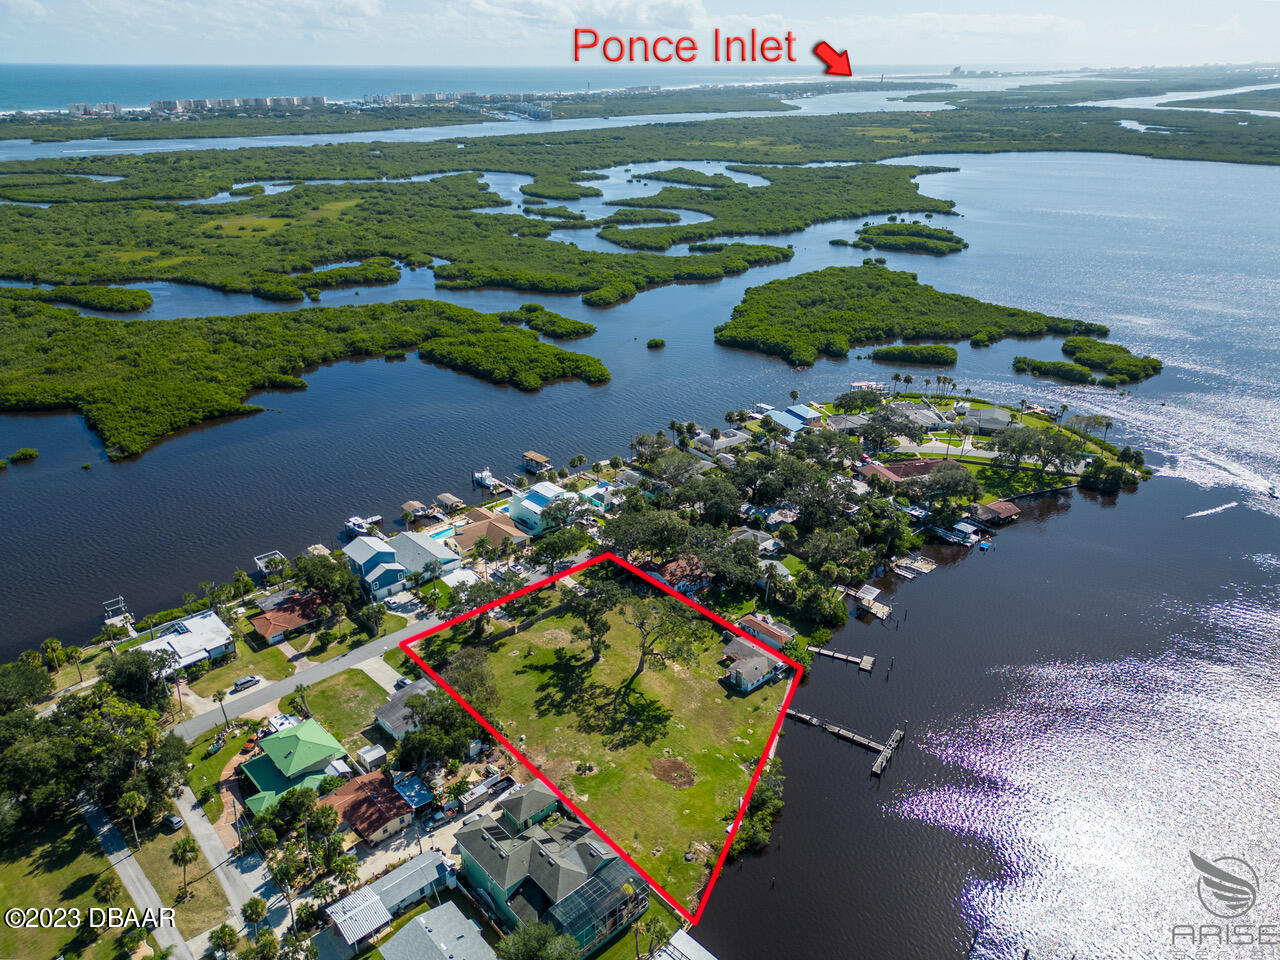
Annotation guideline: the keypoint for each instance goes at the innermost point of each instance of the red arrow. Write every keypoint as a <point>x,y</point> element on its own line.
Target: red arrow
<point>837,63</point>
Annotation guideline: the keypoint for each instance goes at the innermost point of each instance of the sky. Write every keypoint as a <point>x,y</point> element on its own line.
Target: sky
<point>983,33</point>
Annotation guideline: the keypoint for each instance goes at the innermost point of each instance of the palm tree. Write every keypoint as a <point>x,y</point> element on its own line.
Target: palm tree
<point>795,395</point>
<point>965,434</point>
<point>242,582</point>
<point>481,548</point>
<point>224,938</point>
<point>132,804</point>
<point>927,382</point>
<point>218,697</point>
<point>1106,425</point>
<point>908,379</point>
<point>185,852</point>
<point>577,461</point>
<point>254,912</point>
<point>300,695</point>
<point>1062,412</point>
<point>897,379</point>
<point>189,602</point>
<point>75,655</point>
<point>770,581</point>
<point>51,647</point>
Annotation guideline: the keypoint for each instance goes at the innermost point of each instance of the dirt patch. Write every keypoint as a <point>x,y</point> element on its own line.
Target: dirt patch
<point>674,771</point>
<point>555,637</point>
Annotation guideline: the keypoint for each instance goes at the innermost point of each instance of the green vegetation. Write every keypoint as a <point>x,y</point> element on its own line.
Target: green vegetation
<point>1118,362</point>
<point>248,190</point>
<point>833,310</point>
<point>932,354</point>
<point>908,238</point>
<point>375,270</point>
<point>765,804</point>
<point>56,862</point>
<point>138,382</point>
<point>206,768</point>
<point>205,905</point>
<point>1058,369</point>
<point>333,119</point>
<point>268,662</point>
<point>83,295</point>
<point>689,178</point>
<point>24,454</point>
<point>539,318</point>
<point>344,704</point>
<point>1268,99</point>
<point>656,343</point>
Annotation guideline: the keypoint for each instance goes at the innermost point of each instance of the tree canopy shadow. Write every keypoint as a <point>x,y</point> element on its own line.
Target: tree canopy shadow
<point>622,716</point>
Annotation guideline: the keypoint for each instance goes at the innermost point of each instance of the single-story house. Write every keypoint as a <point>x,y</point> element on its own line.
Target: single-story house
<point>792,425</point>
<point>997,513</point>
<point>775,518</point>
<point>298,756</point>
<point>987,420</point>
<point>358,916</point>
<point>416,793</point>
<point>374,563</point>
<point>416,551</point>
<point>899,470</point>
<point>483,522</point>
<point>441,933</point>
<point>527,508</point>
<point>749,665</point>
<point>728,437</point>
<point>805,414</point>
<point>766,628</point>
<point>370,806</point>
<point>780,571</point>
<point>293,613</point>
<point>765,544</point>
<point>923,416</point>
<point>847,422</point>
<point>460,578</point>
<point>394,716</point>
<point>192,639</point>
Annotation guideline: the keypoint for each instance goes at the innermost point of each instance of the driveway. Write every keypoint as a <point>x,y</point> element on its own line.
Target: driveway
<point>130,873</point>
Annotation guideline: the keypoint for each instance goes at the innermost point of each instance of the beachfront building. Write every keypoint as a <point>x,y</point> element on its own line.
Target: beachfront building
<point>374,563</point>
<point>441,933</point>
<point>200,637</point>
<point>421,552</point>
<point>749,666</point>
<point>923,416</point>
<point>563,874</point>
<point>728,437</point>
<point>528,509</point>
<point>301,755</point>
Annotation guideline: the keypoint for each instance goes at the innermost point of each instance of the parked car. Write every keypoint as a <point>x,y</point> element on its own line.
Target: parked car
<point>402,682</point>
<point>172,821</point>
<point>244,683</point>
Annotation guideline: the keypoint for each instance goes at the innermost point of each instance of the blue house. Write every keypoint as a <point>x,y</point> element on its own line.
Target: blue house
<point>374,564</point>
<point>806,415</point>
<point>527,509</point>
<point>783,419</point>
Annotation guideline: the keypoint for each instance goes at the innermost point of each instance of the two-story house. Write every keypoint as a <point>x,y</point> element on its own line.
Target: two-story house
<point>375,565</point>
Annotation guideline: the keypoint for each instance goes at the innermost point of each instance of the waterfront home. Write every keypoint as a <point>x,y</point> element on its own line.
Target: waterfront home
<point>780,572</point>
<point>749,666</point>
<point>416,551</point>
<point>792,425</point>
<point>202,636</point>
<point>441,933</point>
<point>375,565</point>
<point>765,544</point>
<point>995,514</point>
<point>483,522</point>
<point>728,437</point>
<point>681,946</point>
<point>921,414</point>
<point>987,420</point>
<point>603,495</point>
<point>563,874</point>
<point>298,756</point>
<point>766,628</point>
<point>291,614</point>
<point>394,716</point>
<point>847,422</point>
<point>805,414</point>
<point>528,509</point>
<point>369,806</point>
<point>900,470</point>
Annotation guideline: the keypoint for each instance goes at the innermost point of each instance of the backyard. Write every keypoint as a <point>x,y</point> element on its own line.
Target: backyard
<point>344,705</point>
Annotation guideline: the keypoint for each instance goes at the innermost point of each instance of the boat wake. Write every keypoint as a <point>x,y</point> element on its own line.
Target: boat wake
<point>1207,513</point>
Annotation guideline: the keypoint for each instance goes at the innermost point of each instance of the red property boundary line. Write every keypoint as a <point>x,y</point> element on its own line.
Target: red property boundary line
<point>694,917</point>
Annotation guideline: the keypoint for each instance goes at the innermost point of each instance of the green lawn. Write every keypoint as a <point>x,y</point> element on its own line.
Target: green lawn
<point>207,906</point>
<point>571,711</point>
<point>269,662</point>
<point>1000,483</point>
<point>54,864</point>
<point>68,674</point>
<point>206,770</point>
<point>344,704</point>
<point>348,637</point>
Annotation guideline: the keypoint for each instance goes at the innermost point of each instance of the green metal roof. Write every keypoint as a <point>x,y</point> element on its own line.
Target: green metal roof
<point>298,748</point>
<point>271,785</point>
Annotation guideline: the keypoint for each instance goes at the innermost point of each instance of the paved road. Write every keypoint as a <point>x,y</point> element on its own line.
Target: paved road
<point>240,703</point>
<point>130,873</point>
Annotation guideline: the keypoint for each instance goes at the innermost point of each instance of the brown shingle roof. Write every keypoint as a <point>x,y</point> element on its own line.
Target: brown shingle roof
<point>367,803</point>
<point>899,470</point>
<point>486,523</point>
<point>296,611</point>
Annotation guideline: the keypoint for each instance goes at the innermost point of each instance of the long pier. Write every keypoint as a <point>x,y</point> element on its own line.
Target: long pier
<point>883,751</point>
<point>862,663</point>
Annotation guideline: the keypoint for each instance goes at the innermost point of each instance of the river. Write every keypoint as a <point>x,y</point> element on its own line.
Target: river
<point>1085,703</point>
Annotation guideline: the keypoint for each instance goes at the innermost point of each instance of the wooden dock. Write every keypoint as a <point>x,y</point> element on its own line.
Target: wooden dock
<point>883,751</point>
<point>862,663</point>
<point>881,611</point>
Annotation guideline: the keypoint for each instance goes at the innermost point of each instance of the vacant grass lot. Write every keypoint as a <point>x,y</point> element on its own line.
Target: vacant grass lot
<point>268,662</point>
<point>55,864</point>
<point>344,705</point>
<point>680,724</point>
<point>207,905</point>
